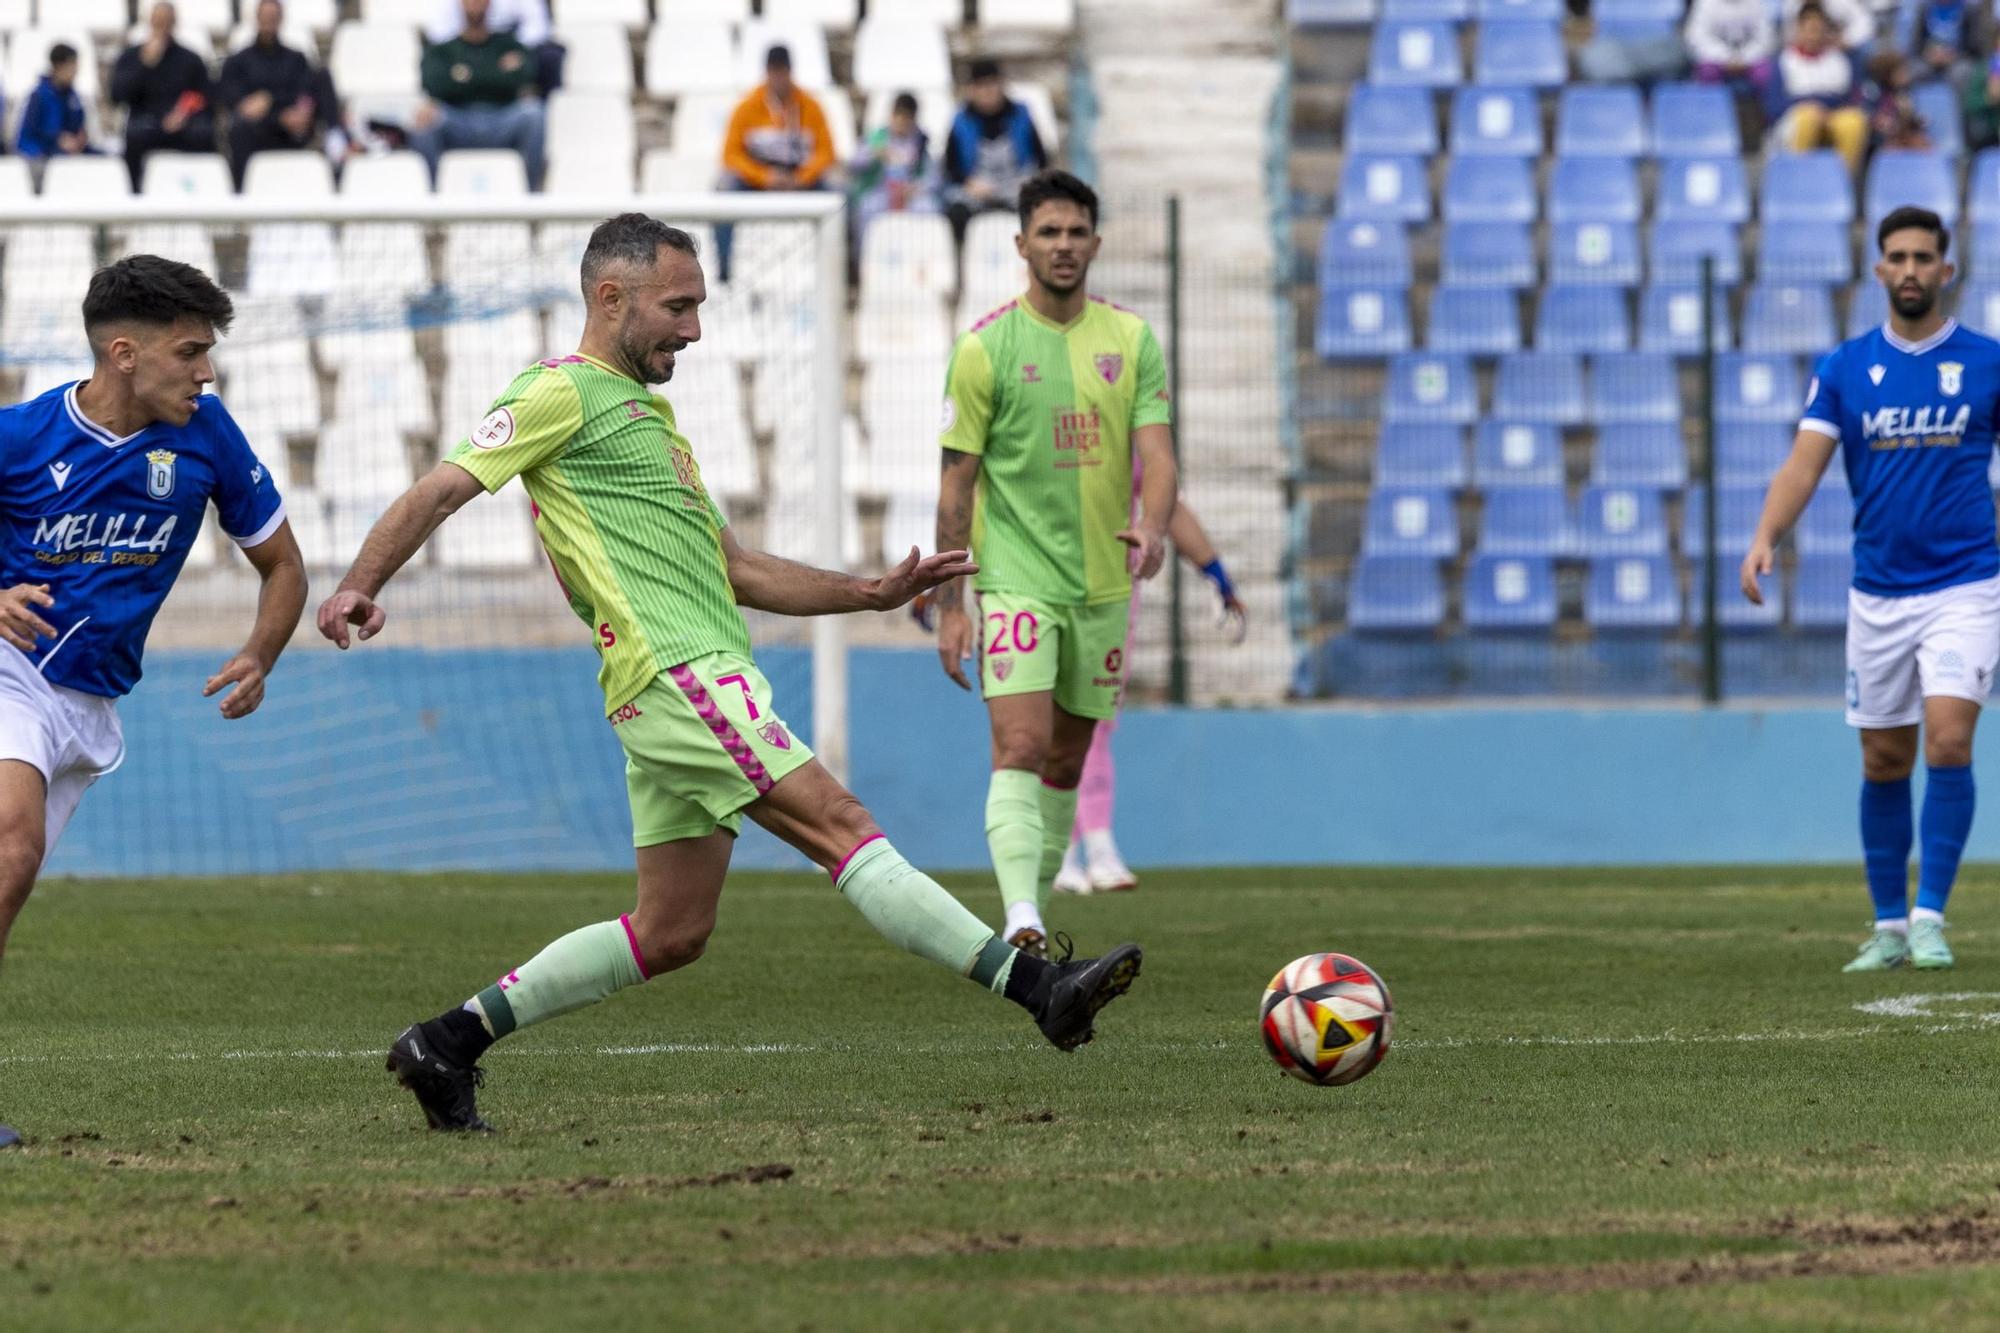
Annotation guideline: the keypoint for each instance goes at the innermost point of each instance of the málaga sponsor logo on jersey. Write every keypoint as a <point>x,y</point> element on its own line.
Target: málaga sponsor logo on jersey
<point>160,473</point>
<point>1079,435</point>
<point>496,430</point>
<point>1934,426</point>
<point>102,539</point>
<point>689,473</point>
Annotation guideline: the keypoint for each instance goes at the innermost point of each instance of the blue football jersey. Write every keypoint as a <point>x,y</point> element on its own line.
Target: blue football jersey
<point>107,523</point>
<point>1915,422</point>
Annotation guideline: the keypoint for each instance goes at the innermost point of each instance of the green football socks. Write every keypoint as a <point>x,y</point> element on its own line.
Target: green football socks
<point>913,912</point>
<point>579,969</point>
<point>1014,838</point>
<point>1058,817</point>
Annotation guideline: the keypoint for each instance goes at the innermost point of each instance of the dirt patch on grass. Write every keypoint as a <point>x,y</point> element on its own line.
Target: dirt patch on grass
<point>588,1185</point>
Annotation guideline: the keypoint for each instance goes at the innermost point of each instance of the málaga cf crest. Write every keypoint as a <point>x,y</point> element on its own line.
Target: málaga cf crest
<point>160,473</point>
<point>1951,377</point>
<point>1108,365</point>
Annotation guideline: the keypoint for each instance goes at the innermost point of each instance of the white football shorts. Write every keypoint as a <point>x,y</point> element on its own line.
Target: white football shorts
<point>1902,650</point>
<point>70,737</point>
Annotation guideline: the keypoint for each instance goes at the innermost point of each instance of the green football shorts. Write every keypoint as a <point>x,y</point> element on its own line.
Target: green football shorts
<point>702,741</point>
<point>1027,645</point>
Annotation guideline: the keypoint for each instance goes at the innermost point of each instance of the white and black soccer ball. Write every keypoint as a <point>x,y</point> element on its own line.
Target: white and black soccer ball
<point>1326,1019</point>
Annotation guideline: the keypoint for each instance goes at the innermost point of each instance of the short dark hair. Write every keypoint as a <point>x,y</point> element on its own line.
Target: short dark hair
<point>1055,184</point>
<point>985,67</point>
<point>906,103</point>
<point>146,289</point>
<point>1812,9</point>
<point>62,53</point>
<point>629,238</point>
<point>1909,216</point>
<point>778,57</point>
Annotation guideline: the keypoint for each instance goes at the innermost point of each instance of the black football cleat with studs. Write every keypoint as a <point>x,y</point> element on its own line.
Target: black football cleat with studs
<point>444,1088</point>
<point>1073,992</point>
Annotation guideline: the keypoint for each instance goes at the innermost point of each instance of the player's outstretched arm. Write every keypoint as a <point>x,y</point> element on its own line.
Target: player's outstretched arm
<point>280,601</point>
<point>766,582</point>
<point>958,482</point>
<point>399,534</point>
<point>1791,490</point>
<point>1191,540</point>
<point>1158,494</point>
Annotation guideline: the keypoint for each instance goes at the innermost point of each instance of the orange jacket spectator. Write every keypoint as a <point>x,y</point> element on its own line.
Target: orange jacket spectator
<point>778,139</point>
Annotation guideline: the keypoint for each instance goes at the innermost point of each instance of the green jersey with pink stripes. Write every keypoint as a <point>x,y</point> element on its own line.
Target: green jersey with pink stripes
<point>621,510</point>
<point>1050,408</point>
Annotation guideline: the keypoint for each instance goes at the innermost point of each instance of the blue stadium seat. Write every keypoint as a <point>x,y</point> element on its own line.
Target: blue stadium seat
<point>1734,612</point>
<point>1680,247</point>
<point>1495,122</point>
<point>1394,120</point>
<point>1510,593</point>
<point>1362,322</point>
<point>1806,187</point>
<point>1356,250</point>
<point>1424,386</point>
<point>1702,189</point>
<point>1867,306</point>
<point>1737,509</point>
<point>1410,521</point>
<point>1384,189</point>
<point>1634,387</point>
<point>1819,592</point>
<point>1982,195</point>
<point>1805,252</point>
<point>1489,189</point>
<point>1480,321</point>
<point>1530,521</point>
<point>1620,520</point>
<point>1632,593</point>
<point>1594,189</point>
<point>1757,386</point>
<point>1748,453</point>
<point>1601,121</point>
<point>1542,387</point>
<point>1636,32</point>
<point>1426,11</point>
<point>1422,55</point>
<point>1898,176</point>
<point>1782,318</point>
<point>1638,11</point>
<point>1981,249</point>
<point>1670,320</point>
<point>1979,307</point>
<point>1594,253</point>
<point>1583,319</point>
<point>1648,457</point>
<point>1695,120</point>
<point>1827,526</point>
<point>1520,55</point>
<point>1421,454</point>
<point>1516,453</point>
<point>1537,11</point>
<point>1937,103</point>
<point>1488,254</point>
<point>1395,595</point>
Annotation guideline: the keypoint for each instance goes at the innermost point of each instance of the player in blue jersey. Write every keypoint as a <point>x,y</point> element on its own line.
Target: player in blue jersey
<point>103,486</point>
<point>1912,407</point>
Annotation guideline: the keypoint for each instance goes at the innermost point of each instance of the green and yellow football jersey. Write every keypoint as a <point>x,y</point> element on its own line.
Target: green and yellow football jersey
<point>1051,409</point>
<point>634,538</point>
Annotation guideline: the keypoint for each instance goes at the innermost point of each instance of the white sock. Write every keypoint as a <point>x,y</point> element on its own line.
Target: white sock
<point>1899,924</point>
<point>1073,858</point>
<point>1021,915</point>
<point>1926,914</point>
<point>1102,847</point>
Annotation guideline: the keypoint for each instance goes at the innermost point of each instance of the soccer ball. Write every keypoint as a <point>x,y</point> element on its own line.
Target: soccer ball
<point>1326,1019</point>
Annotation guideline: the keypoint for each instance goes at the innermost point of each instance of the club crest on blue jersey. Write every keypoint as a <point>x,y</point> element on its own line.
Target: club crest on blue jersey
<point>160,473</point>
<point>1951,378</point>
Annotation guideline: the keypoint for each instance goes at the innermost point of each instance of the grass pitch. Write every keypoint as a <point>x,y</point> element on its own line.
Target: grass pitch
<point>1617,1100</point>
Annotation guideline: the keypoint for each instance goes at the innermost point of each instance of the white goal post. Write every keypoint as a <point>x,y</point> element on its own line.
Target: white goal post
<point>308,266</point>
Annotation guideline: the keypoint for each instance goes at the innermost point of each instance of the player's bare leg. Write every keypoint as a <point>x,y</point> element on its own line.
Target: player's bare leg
<point>23,815</point>
<point>1945,824</point>
<point>1023,727</point>
<point>1887,756</point>
<point>813,812</point>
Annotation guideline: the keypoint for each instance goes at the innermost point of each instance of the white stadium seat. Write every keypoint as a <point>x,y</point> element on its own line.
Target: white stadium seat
<point>398,175</point>
<point>774,259</point>
<point>626,13</point>
<point>894,53</point>
<point>16,15</point>
<point>500,346</point>
<point>15,182</point>
<point>213,17</point>
<point>375,58</point>
<point>491,262</point>
<point>593,127</point>
<point>292,259</point>
<point>186,176</point>
<point>899,408</point>
<point>909,254</point>
<point>271,381</point>
<point>392,13</point>
<point>664,171</point>
<point>938,13</point>
<point>106,17</point>
<point>305,510</point>
<point>38,377</point>
<point>811,69</point>
<point>1033,15</point>
<point>494,531</point>
<point>599,58</point>
<point>701,122</point>
<point>75,178</point>
<point>496,172</point>
<point>382,257</point>
<point>909,519</point>
<point>28,60</point>
<point>839,14</point>
<point>360,459</point>
<point>696,54</point>
<point>587,177</point>
<point>317,15</point>
<point>193,36</point>
<point>294,174</point>
<point>839,108</point>
<point>890,326</point>
<point>1041,110</point>
<point>679,11</point>
<point>355,340</point>
<point>563,325</point>
<point>468,393</point>
<point>991,263</point>
<point>268,443</point>
<point>189,242</point>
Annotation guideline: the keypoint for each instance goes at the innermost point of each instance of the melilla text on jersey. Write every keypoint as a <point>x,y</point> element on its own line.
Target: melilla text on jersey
<point>1937,426</point>
<point>103,539</point>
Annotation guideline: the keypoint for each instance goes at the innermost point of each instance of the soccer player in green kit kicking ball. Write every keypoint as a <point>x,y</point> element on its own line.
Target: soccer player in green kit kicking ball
<point>1049,401</point>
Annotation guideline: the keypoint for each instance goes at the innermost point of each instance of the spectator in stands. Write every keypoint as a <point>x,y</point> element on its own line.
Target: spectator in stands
<point>777,140</point>
<point>1982,108</point>
<point>528,20</point>
<point>1952,38</point>
<point>1733,42</point>
<point>1852,21</point>
<point>275,98</point>
<point>1817,78</point>
<point>1893,118</point>
<point>893,170</point>
<point>52,123</point>
<point>164,89</point>
<point>993,148</point>
<point>481,86</point>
